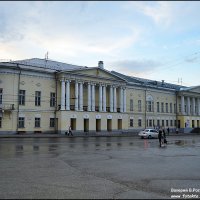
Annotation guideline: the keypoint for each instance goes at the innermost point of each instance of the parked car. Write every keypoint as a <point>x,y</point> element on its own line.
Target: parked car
<point>148,133</point>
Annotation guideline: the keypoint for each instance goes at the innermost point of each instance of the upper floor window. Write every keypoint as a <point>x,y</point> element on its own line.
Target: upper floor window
<point>52,99</point>
<point>22,97</point>
<point>170,108</point>
<point>37,98</point>
<point>139,105</point>
<point>162,107</point>
<point>158,107</point>
<point>1,95</point>
<point>166,107</point>
<point>149,103</point>
<point>174,108</point>
<point>131,104</point>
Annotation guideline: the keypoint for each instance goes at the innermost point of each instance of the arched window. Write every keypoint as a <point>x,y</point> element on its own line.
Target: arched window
<point>149,104</point>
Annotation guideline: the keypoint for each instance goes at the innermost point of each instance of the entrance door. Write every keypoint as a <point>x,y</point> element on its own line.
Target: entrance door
<point>109,124</point>
<point>98,125</point>
<point>119,124</point>
<point>73,124</point>
<point>86,125</point>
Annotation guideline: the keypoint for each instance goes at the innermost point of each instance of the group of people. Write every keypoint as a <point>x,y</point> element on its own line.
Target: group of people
<point>162,137</point>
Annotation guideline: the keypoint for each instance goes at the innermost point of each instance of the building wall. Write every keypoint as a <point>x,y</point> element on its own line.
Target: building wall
<point>32,81</point>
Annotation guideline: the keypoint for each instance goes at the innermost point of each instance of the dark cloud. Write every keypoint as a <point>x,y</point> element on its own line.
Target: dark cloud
<point>136,66</point>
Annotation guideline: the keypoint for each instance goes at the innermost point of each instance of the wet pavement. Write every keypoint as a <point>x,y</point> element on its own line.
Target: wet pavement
<point>99,168</point>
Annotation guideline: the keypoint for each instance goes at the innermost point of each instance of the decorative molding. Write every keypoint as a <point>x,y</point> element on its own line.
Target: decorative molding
<point>86,116</point>
<point>98,116</point>
<point>109,116</point>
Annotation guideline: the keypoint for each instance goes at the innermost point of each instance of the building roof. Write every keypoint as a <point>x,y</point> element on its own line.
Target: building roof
<point>148,82</point>
<point>47,64</point>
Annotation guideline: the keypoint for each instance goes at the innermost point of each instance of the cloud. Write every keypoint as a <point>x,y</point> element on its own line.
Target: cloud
<point>135,67</point>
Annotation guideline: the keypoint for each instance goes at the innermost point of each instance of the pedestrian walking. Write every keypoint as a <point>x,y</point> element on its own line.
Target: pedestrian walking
<point>168,130</point>
<point>160,136</point>
<point>176,130</point>
<point>70,131</point>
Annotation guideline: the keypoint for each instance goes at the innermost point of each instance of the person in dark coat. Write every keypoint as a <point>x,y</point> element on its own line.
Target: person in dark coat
<point>160,136</point>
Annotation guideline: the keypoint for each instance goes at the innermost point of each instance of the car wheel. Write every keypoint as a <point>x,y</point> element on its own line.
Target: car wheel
<point>142,137</point>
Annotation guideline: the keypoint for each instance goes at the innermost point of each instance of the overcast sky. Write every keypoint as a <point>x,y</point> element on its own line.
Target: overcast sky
<point>155,40</point>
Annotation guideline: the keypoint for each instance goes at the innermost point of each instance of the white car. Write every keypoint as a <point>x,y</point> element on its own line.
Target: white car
<point>148,133</point>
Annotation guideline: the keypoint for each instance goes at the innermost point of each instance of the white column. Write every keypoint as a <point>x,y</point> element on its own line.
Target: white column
<point>188,105</point>
<point>111,98</point>
<point>93,97</point>
<point>124,95</point>
<point>115,99</point>
<point>121,99</point>
<point>198,101</point>
<point>104,98</point>
<point>193,106</point>
<point>100,98</point>
<point>67,95</point>
<point>81,96</point>
<point>89,97</point>
<point>182,105</point>
<point>76,96</point>
<point>62,94</point>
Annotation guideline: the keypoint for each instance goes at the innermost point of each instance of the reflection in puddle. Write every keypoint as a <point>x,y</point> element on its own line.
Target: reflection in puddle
<point>53,147</point>
<point>180,142</point>
<point>36,148</point>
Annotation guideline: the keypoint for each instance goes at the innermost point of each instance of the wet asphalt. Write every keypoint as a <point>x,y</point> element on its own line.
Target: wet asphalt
<point>99,168</point>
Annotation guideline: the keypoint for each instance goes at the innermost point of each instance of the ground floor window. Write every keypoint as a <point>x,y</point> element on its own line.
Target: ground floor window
<point>171,122</point>
<point>131,122</point>
<point>163,122</point>
<point>52,122</point>
<point>21,122</point>
<point>150,123</point>
<point>0,122</point>
<point>167,123</point>
<point>139,122</point>
<point>158,122</point>
<point>37,122</point>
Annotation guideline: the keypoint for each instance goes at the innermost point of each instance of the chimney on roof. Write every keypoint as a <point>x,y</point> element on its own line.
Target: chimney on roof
<point>100,65</point>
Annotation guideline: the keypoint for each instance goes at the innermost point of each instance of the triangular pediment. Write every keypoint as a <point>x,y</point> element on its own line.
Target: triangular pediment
<point>194,89</point>
<point>98,73</point>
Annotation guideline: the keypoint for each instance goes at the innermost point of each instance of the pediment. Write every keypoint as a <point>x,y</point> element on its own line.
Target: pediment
<point>98,73</point>
<point>197,90</point>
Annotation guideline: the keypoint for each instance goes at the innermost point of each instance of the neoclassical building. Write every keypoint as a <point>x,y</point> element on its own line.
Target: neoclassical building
<point>44,96</point>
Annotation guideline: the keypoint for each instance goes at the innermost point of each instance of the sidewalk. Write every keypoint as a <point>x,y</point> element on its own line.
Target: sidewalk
<point>100,134</point>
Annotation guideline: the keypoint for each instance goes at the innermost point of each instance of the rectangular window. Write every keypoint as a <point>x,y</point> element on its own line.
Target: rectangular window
<point>167,123</point>
<point>37,98</point>
<point>21,122</point>
<point>163,123</point>
<point>0,122</point>
<point>179,106</point>
<point>171,122</point>
<point>1,95</point>
<point>150,122</point>
<point>175,123</point>
<point>139,106</point>
<point>162,107</point>
<point>150,106</point>
<point>170,107</point>
<point>37,122</point>
<point>147,122</point>
<point>174,108</point>
<point>185,108</point>
<point>131,122</point>
<point>52,122</point>
<point>131,104</point>
<point>139,122</point>
<point>22,97</point>
<point>158,107</point>
<point>158,122</point>
<point>166,106</point>
<point>52,99</point>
